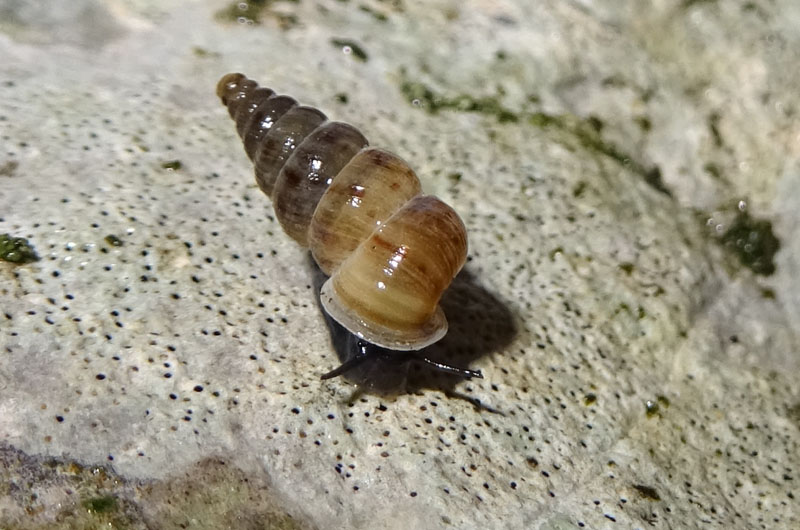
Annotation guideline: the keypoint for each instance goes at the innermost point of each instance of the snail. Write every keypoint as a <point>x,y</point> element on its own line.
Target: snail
<point>388,250</point>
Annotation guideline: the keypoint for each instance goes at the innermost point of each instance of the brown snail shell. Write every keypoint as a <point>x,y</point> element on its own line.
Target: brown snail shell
<point>390,251</point>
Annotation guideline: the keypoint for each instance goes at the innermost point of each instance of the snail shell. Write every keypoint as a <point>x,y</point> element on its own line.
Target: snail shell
<point>389,250</point>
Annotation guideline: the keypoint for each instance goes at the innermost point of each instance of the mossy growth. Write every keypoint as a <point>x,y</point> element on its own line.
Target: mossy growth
<point>655,407</point>
<point>16,250</point>
<point>556,251</point>
<point>455,177</point>
<point>255,11</point>
<point>104,504</point>
<point>753,242</point>
<point>651,408</point>
<point>713,170</point>
<point>173,165</point>
<point>203,53</point>
<point>586,131</point>
<point>377,15</point>
<point>626,267</point>
<point>140,144</point>
<point>113,240</point>
<point>243,11</point>
<point>215,493</point>
<point>690,3</point>
<point>793,413</point>
<point>422,95</point>
<point>351,47</point>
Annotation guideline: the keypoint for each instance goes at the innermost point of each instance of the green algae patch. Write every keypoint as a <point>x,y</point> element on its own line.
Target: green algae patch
<point>377,15</point>
<point>421,95</point>
<point>100,502</point>
<point>626,267</point>
<point>579,188</point>
<point>251,11</point>
<point>651,408</point>
<point>203,53</point>
<point>690,3</point>
<point>588,133</point>
<point>173,165</point>
<point>351,47</point>
<point>793,413</point>
<point>104,504</point>
<point>556,251</point>
<point>213,492</point>
<point>753,242</point>
<point>455,177</point>
<point>16,250</point>
<point>113,240</point>
<point>139,142</point>
<point>656,407</point>
<point>713,170</point>
<point>542,120</point>
<point>255,12</point>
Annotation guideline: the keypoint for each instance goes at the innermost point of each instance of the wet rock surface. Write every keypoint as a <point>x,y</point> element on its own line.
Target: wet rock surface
<point>629,180</point>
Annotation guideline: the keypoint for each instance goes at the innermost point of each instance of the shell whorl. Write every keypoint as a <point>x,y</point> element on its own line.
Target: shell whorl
<point>390,251</point>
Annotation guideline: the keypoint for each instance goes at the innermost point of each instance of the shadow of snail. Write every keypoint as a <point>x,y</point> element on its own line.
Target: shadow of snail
<point>385,252</point>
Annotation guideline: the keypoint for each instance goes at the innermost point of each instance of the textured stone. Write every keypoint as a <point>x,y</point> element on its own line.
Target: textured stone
<point>636,370</point>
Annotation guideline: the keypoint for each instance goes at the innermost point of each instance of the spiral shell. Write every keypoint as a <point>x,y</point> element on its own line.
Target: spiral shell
<point>390,251</point>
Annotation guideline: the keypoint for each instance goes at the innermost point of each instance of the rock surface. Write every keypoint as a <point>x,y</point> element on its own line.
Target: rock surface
<point>629,178</point>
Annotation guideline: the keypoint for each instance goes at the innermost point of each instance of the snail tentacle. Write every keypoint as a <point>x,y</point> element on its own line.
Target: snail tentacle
<point>453,370</point>
<point>361,354</point>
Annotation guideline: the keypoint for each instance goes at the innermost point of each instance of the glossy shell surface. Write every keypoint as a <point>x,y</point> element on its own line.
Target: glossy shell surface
<point>390,251</point>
